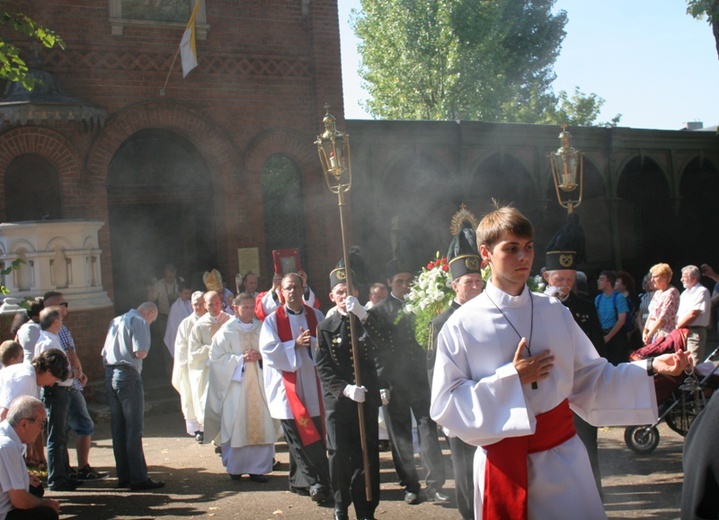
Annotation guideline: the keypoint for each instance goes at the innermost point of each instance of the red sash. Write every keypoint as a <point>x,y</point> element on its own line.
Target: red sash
<point>305,425</point>
<point>505,475</point>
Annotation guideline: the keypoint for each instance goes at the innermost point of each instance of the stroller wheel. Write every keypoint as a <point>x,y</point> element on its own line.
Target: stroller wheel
<point>641,439</point>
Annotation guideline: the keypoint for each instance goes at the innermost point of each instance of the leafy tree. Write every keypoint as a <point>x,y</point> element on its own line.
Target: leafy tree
<point>12,66</point>
<point>709,8</point>
<point>488,60</point>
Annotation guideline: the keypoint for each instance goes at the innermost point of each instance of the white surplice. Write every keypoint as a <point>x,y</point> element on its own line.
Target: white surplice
<point>180,310</point>
<point>281,356</point>
<point>476,394</point>
<point>181,372</point>
<point>236,411</point>
<point>199,358</point>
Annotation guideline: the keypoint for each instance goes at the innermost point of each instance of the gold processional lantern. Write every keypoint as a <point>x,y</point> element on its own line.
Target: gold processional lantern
<point>567,172</point>
<point>334,149</point>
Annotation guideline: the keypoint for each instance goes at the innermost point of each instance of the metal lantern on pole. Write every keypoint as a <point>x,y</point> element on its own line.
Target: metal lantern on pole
<point>567,172</point>
<point>333,148</point>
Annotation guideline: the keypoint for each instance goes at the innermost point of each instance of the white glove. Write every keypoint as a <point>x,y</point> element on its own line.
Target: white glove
<point>384,395</point>
<point>353,305</point>
<point>356,393</point>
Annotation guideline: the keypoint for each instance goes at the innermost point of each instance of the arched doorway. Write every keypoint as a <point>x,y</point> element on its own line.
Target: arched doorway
<point>645,216</point>
<point>160,209</point>
<point>697,214</point>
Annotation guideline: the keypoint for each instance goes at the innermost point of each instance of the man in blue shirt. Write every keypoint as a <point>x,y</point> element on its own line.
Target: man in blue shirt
<point>126,345</point>
<point>613,310</point>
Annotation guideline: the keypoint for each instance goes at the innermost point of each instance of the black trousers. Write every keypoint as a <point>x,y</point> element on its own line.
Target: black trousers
<point>345,454</point>
<point>308,464</point>
<point>588,435</point>
<point>618,348</point>
<point>402,404</point>
<point>463,467</point>
<point>37,513</point>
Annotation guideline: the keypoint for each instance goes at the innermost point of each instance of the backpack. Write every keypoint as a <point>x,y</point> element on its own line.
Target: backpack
<point>630,323</point>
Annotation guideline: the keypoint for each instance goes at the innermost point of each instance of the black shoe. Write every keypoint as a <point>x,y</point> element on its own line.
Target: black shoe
<point>303,492</point>
<point>411,498</point>
<point>147,485</point>
<point>258,478</point>
<point>340,514</point>
<point>276,464</point>
<point>123,484</point>
<point>319,494</point>
<point>200,437</point>
<point>235,477</point>
<point>218,450</point>
<point>88,474</point>
<point>64,486</point>
<point>434,495</point>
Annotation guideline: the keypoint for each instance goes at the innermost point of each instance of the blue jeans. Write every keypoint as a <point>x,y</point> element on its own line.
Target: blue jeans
<point>57,400</point>
<point>127,410</point>
<point>78,418</point>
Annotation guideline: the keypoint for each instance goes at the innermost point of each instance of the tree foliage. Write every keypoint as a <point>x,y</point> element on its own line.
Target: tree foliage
<point>489,60</point>
<point>709,9</point>
<point>12,66</point>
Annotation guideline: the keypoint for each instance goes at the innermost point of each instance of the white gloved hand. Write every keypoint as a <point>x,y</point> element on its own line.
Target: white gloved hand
<point>384,395</point>
<point>356,393</point>
<point>353,305</point>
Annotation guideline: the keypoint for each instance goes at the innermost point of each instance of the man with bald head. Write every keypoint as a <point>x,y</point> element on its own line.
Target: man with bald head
<point>126,345</point>
<point>181,368</point>
<point>199,353</point>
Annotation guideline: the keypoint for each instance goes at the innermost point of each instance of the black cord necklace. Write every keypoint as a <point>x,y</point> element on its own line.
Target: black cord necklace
<point>531,326</point>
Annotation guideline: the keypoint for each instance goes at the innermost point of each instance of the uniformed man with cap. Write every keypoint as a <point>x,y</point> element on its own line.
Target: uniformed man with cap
<point>564,252</point>
<point>341,397</point>
<point>465,269</point>
<point>403,366</point>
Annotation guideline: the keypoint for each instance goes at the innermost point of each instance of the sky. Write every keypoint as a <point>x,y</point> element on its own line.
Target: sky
<point>649,60</point>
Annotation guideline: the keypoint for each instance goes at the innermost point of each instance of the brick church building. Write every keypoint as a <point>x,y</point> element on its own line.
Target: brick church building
<point>218,169</point>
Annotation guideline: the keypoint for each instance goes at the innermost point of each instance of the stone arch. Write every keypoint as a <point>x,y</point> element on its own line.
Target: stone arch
<point>299,149</point>
<point>506,178</point>
<point>698,189</point>
<point>644,210</point>
<point>46,144</point>
<point>177,117</point>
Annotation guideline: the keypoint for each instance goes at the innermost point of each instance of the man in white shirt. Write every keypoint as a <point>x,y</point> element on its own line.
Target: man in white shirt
<point>694,312</point>
<point>45,369</point>
<point>25,421</point>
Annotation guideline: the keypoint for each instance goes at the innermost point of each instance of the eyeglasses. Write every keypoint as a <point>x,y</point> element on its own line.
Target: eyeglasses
<point>43,422</point>
<point>65,304</point>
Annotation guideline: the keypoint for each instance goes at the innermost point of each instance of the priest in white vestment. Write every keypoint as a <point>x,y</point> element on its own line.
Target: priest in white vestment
<point>181,367</point>
<point>199,352</point>
<point>236,415</point>
<point>180,310</point>
<point>288,345</point>
<point>510,364</point>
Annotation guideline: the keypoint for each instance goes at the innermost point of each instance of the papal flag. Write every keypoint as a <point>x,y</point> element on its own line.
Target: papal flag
<point>188,52</point>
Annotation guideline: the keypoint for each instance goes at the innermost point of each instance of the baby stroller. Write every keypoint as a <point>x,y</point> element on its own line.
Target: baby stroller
<point>680,398</point>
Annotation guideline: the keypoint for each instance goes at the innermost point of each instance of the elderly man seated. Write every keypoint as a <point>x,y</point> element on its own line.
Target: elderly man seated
<point>25,420</point>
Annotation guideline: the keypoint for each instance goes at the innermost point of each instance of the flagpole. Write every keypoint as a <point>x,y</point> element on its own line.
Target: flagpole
<point>172,66</point>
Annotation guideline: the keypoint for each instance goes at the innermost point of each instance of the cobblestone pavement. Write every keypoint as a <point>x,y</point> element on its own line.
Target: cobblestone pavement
<point>635,486</point>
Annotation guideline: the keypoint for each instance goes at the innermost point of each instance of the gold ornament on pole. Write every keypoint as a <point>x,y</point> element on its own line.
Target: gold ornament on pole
<point>567,172</point>
<point>333,147</point>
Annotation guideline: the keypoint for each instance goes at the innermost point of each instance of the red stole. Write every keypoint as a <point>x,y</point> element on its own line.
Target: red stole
<point>505,474</point>
<point>305,425</point>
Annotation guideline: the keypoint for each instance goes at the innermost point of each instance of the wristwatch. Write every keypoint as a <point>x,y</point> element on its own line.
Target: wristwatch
<point>650,367</point>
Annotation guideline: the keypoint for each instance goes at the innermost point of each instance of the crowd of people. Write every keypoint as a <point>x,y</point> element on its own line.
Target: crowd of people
<point>528,382</point>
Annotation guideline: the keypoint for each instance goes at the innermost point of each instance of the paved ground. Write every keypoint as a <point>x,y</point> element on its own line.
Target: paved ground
<point>646,487</point>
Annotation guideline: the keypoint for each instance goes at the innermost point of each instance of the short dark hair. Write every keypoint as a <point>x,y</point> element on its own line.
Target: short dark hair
<point>610,275</point>
<point>9,350</point>
<point>628,280</point>
<point>52,360</point>
<point>242,296</point>
<point>51,294</point>
<point>505,219</point>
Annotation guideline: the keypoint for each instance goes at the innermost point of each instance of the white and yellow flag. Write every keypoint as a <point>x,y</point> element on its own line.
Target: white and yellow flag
<point>188,52</point>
